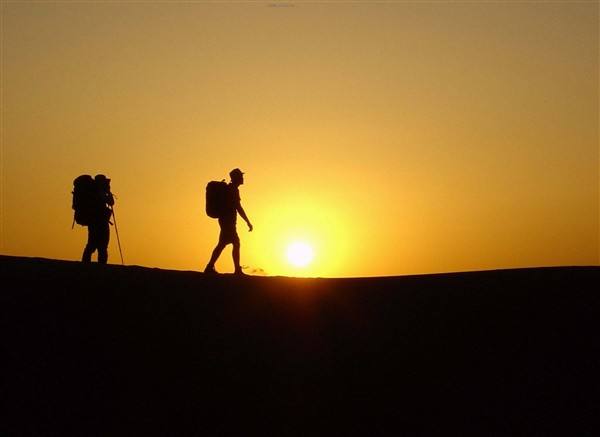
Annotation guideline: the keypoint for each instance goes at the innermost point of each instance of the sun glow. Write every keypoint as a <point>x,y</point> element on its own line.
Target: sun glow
<point>300,254</point>
<point>299,221</point>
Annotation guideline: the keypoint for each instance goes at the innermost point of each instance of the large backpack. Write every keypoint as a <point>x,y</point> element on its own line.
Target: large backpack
<point>85,195</point>
<point>216,198</point>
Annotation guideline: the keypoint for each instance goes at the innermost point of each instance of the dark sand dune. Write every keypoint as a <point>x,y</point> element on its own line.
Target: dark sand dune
<point>109,350</point>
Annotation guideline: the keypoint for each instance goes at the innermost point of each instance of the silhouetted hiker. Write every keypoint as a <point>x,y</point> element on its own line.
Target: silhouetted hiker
<point>92,202</point>
<point>223,202</point>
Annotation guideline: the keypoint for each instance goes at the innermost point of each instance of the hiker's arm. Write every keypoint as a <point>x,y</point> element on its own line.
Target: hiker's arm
<point>244,216</point>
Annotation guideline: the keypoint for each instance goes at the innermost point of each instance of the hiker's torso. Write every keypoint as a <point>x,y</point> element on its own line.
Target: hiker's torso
<point>233,201</point>
<point>102,212</point>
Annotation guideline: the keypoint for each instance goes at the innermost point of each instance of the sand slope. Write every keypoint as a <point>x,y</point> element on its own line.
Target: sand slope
<point>110,350</point>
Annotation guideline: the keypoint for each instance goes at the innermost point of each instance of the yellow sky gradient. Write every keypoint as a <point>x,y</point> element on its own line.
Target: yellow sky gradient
<point>396,138</point>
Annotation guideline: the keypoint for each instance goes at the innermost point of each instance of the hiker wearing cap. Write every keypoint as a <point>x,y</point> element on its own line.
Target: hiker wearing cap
<point>227,223</point>
<point>98,227</point>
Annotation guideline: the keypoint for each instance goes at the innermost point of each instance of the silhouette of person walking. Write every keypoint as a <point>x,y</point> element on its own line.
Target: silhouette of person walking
<point>98,227</point>
<point>227,223</point>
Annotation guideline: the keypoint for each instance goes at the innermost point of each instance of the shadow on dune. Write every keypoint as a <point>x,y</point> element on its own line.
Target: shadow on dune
<point>110,350</point>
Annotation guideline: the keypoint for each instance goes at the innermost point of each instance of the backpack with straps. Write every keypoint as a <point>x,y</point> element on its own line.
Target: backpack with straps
<point>216,198</point>
<point>85,194</point>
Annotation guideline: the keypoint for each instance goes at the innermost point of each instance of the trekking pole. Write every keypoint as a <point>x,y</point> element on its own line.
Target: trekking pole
<point>112,209</point>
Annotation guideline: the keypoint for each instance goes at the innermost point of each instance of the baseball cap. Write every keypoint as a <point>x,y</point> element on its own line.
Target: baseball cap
<point>236,171</point>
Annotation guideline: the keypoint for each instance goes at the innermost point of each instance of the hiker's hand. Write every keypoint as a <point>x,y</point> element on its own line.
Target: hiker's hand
<point>250,227</point>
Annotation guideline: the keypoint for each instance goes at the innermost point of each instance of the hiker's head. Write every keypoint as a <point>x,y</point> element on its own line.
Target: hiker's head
<point>237,176</point>
<point>102,181</point>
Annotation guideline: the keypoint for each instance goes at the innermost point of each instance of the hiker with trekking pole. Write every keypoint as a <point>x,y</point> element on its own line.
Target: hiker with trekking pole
<point>93,205</point>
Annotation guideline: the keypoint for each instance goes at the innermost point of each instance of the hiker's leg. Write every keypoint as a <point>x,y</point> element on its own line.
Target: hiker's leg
<point>86,257</point>
<point>236,254</point>
<point>215,255</point>
<point>224,240</point>
<point>90,247</point>
<point>236,257</point>
<point>103,238</point>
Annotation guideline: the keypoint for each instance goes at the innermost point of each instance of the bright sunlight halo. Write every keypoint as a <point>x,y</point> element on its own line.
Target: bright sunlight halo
<point>300,254</point>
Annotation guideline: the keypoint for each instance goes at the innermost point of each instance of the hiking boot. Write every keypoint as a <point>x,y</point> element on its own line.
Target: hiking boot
<point>210,270</point>
<point>239,272</point>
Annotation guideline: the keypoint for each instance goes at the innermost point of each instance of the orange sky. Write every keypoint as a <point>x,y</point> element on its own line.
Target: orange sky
<point>395,138</point>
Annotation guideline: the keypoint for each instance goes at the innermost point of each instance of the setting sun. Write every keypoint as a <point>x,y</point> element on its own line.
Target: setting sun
<point>300,254</point>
